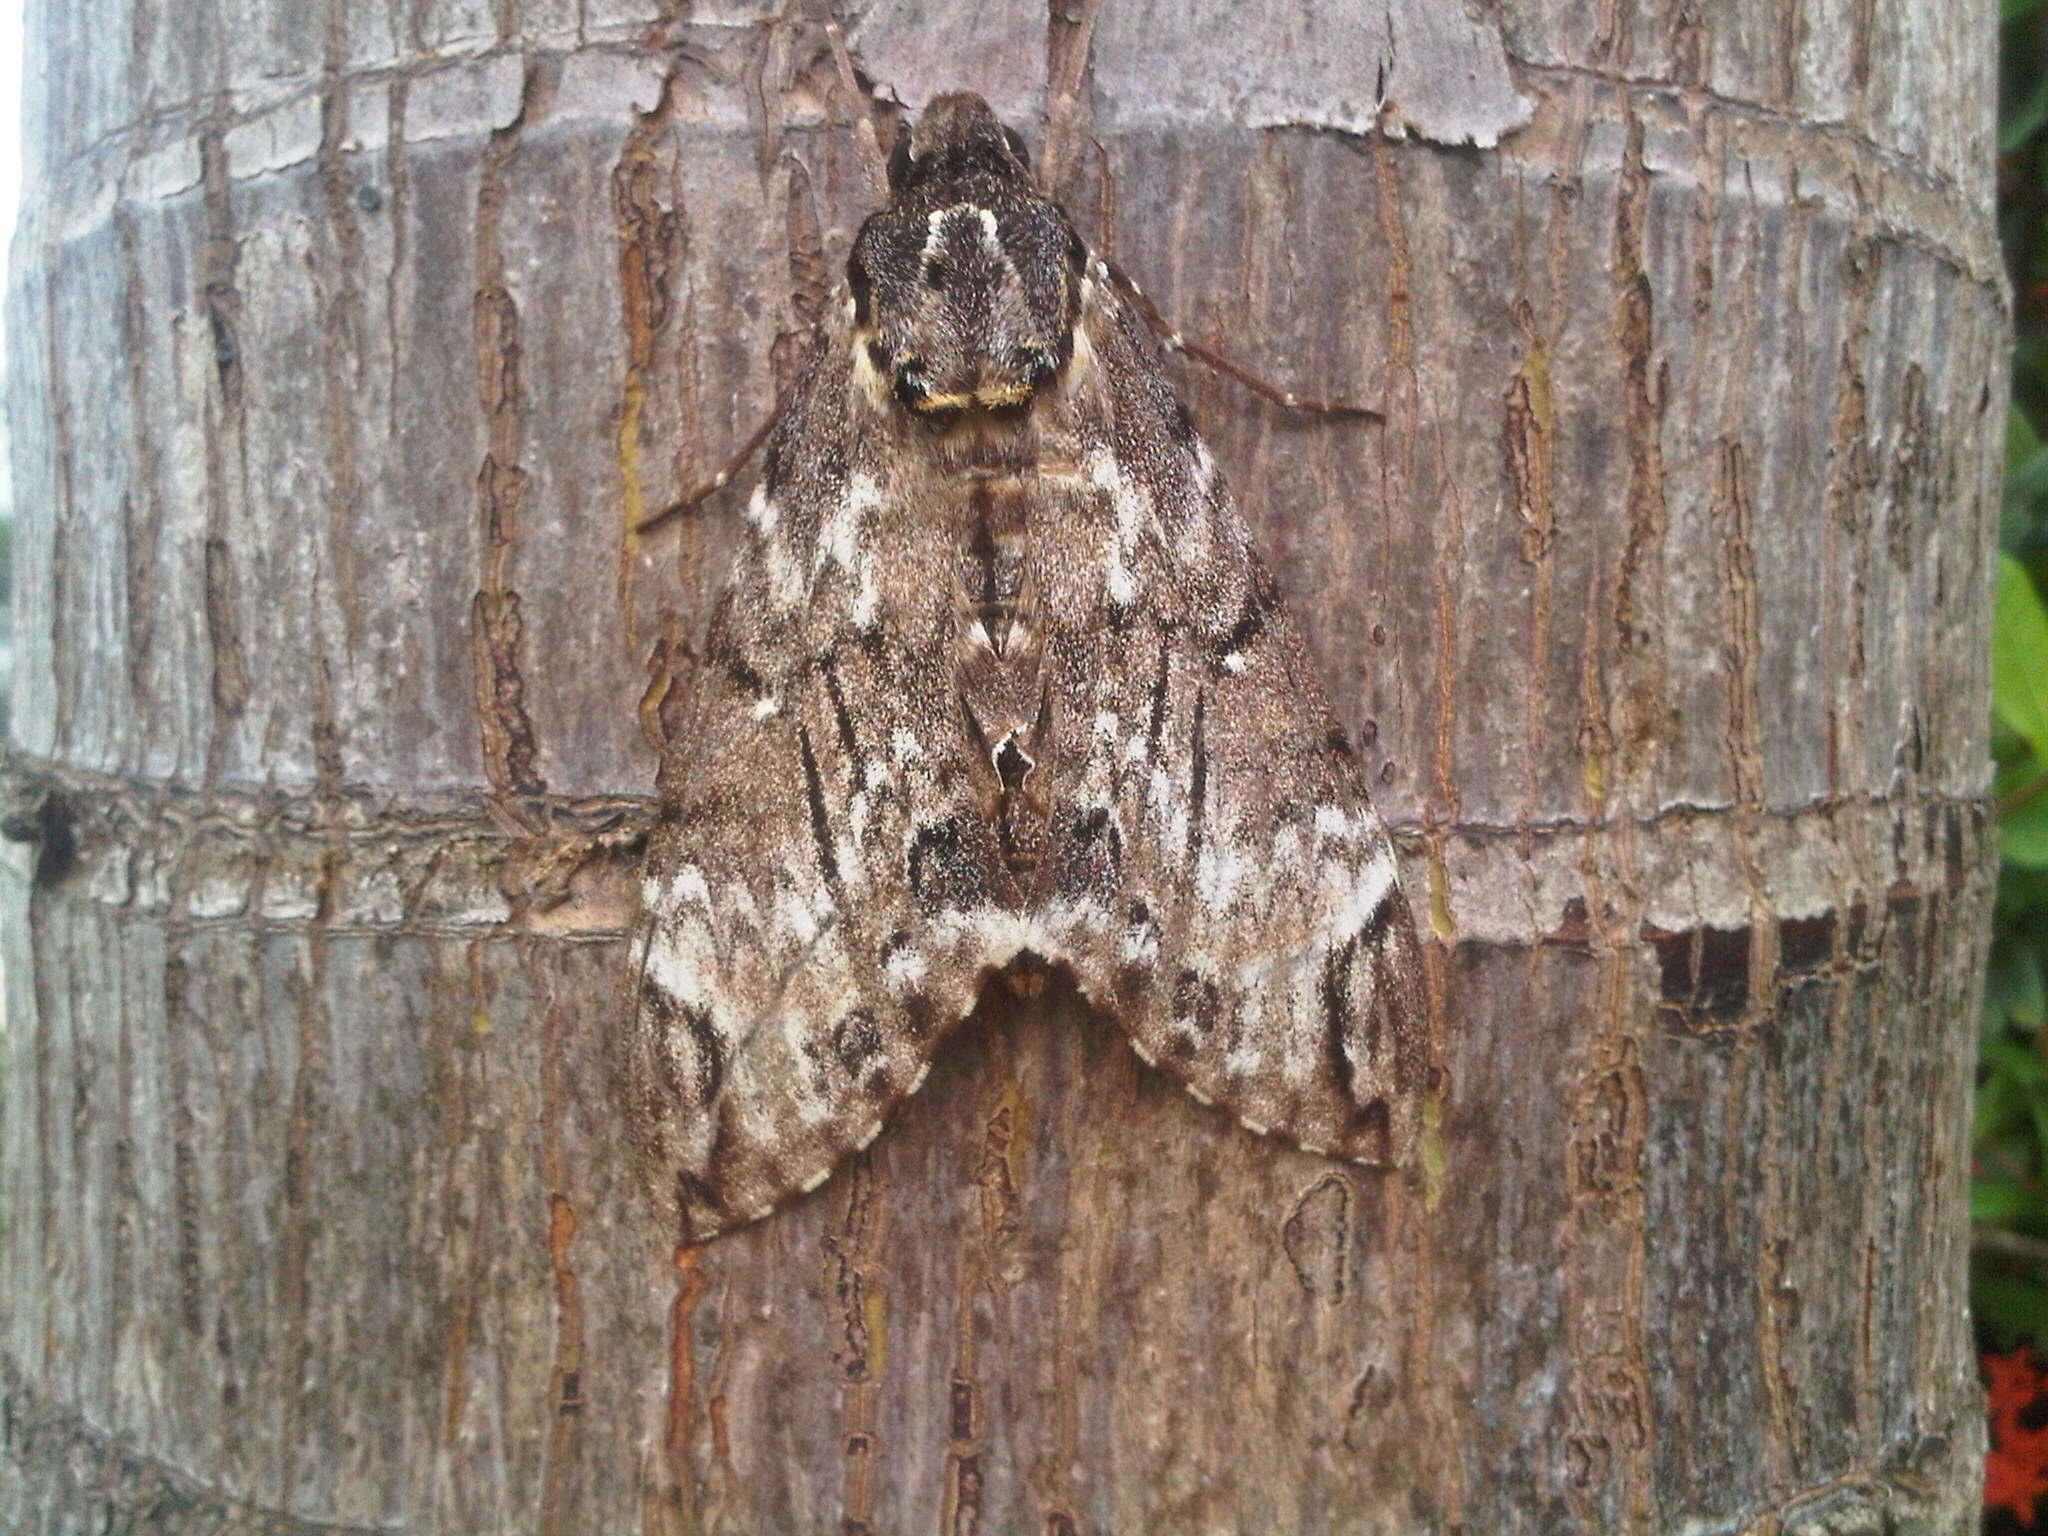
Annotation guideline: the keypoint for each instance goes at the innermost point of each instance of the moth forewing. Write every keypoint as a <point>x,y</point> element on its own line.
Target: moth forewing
<point>1000,676</point>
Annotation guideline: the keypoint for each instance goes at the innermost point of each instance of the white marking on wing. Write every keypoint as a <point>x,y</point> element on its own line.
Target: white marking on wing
<point>1219,871</point>
<point>1352,907</point>
<point>785,580</point>
<point>866,597</point>
<point>797,917</point>
<point>682,962</point>
<point>905,968</point>
<point>686,884</point>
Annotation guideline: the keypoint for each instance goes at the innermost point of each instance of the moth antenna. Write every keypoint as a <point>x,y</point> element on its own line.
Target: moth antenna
<point>1173,340</point>
<point>719,481</point>
<point>1063,110</point>
<point>874,164</point>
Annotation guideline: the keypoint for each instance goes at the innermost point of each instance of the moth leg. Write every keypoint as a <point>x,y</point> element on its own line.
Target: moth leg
<point>1172,339</point>
<point>719,481</point>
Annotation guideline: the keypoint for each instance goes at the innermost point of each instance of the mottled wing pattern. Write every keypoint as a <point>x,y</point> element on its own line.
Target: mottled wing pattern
<point>999,670</point>
<point>822,894</point>
<point>1217,878</point>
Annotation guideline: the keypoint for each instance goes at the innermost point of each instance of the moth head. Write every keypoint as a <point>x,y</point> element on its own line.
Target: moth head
<point>966,287</point>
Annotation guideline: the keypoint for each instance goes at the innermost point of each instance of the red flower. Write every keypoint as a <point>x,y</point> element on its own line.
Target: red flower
<point>2016,1471</point>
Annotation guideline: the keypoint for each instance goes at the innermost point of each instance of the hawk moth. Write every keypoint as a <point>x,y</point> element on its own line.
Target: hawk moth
<point>999,673</point>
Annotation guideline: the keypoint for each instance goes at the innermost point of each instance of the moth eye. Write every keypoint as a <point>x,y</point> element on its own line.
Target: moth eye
<point>1016,142</point>
<point>910,385</point>
<point>1033,362</point>
<point>938,271</point>
<point>1077,251</point>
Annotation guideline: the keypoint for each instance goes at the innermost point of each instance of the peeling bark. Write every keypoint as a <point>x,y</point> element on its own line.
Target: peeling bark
<point>1658,606</point>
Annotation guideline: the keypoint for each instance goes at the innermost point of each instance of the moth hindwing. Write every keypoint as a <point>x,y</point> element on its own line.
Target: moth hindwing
<point>999,672</point>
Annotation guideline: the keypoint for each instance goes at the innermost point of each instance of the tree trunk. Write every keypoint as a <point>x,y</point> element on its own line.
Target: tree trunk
<point>348,345</point>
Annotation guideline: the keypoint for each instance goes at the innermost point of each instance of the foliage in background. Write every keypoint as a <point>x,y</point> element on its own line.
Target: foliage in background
<point>2010,1197</point>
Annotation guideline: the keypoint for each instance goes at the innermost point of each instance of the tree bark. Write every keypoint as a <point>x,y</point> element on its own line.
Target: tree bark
<point>348,344</point>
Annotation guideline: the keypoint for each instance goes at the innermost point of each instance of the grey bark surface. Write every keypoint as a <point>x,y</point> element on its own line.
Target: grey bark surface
<point>346,346</point>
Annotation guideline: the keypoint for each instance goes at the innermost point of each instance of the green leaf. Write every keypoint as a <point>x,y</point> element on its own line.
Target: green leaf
<point>2025,118</point>
<point>2019,656</point>
<point>2017,10</point>
<point>2023,834</point>
<point>2000,1201</point>
<point>2011,1308</point>
<point>2000,1131</point>
<point>2003,1054</point>
<point>2014,991</point>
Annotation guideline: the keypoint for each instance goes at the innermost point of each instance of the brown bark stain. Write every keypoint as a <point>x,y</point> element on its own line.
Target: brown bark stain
<point>1640,639</point>
<point>142,516</point>
<point>398,206</point>
<point>650,247</point>
<point>1734,523</point>
<point>458,1006</point>
<point>297,1266</point>
<point>1692,43</point>
<point>227,476</point>
<point>1792,39</point>
<point>565,1427</point>
<point>63,540</point>
<point>338,264</point>
<point>1528,432</point>
<point>1913,496</point>
<point>1862,22</point>
<point>682,1390</point>
<point>998,1173</point>
<point>496,626</point>
<point>1851,475</point>
<point>1607,1450</point>
<point>855,1252</point>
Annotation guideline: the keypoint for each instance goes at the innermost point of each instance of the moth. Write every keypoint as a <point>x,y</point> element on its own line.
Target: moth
<point>1000,677</point>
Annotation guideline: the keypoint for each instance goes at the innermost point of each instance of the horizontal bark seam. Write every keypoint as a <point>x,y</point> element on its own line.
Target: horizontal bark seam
<point>363,864</point>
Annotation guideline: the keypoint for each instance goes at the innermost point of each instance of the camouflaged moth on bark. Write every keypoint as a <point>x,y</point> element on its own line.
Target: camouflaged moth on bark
<point>999,674</point>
